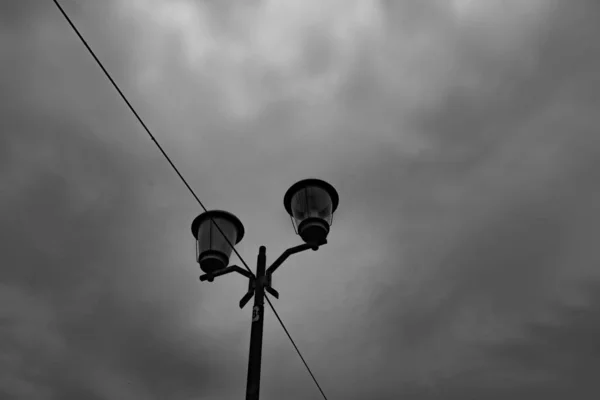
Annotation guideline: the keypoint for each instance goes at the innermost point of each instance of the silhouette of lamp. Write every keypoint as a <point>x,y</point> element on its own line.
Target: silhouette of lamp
<point>311,204</point>
<point>212,250</point>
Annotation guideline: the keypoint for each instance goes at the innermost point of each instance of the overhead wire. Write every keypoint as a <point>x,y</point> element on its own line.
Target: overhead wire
<point>132,109</point>
<point>295,347</point>
<point>118,89</point>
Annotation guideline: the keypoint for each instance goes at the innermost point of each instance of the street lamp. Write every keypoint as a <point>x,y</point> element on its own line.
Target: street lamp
<point>311,204</point>
<point>212,251</point>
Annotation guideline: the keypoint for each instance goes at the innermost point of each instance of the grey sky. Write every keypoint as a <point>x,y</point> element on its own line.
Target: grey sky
<point>462,136</point>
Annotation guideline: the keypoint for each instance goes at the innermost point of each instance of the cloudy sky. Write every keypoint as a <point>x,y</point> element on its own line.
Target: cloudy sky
<point>462,136</point>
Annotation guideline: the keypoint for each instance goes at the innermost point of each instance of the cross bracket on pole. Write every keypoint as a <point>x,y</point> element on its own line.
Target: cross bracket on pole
<point>252,287</point>
<point>250,293</point>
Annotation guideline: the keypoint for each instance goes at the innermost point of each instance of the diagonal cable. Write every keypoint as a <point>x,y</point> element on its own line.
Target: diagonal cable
<point>146,128</point>
<point>295,347</point>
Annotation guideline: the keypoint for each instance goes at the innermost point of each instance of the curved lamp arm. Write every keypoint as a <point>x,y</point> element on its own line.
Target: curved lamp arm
<point>224,271</point>
<point>289,252</point>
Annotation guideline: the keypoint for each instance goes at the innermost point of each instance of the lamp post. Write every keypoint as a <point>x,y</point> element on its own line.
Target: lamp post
<point>310,204</point>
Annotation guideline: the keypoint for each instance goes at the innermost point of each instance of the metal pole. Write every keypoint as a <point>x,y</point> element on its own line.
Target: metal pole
<point>256,334</point>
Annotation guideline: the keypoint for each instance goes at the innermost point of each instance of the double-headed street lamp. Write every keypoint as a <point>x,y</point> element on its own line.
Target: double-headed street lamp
<point>311,204</point>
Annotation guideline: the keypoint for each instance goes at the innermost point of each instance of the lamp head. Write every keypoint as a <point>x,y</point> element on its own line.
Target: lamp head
<point>311,204</point>
<point>212,249</point>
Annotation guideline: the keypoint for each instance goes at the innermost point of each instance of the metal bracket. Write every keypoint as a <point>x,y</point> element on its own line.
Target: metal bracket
<point>249,294</point>
<point>225,271</point>
<point>252,287</point>
<point>269,287</point>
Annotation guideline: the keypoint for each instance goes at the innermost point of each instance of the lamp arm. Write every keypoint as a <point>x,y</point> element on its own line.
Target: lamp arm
<point>242,271</point>
<point>228,270</point>
<point>292,250</point>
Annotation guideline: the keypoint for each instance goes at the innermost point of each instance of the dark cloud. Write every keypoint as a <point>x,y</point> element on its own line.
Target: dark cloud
<point>564,351</point>
<point>476,181</point>
<point>516,243</point>
<point>70,250</point>
<point>83,314</point>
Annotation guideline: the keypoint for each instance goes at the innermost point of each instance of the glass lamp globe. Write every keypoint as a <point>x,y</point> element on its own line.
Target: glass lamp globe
<point>212,250</point>
<point>311,204</point>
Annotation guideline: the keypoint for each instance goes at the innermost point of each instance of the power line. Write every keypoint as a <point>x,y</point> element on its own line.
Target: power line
<point>146,128</point>
<point>295,347</point>
<point>182,179</point>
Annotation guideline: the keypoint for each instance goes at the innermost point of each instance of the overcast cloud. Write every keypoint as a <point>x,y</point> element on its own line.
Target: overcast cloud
<point>462,136</point>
